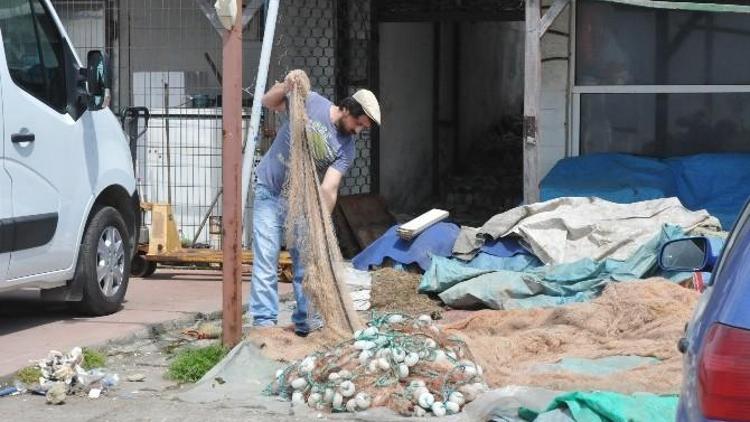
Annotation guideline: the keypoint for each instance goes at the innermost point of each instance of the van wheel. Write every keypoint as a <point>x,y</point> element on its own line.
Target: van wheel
<point>140,267</point>
<point>103,263</point>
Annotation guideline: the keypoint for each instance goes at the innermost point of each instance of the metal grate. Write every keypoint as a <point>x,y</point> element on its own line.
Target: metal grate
<point>166,56</point>
<point>314,35</point>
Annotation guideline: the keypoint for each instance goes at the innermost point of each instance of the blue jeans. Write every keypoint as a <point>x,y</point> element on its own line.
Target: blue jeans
<point>269,214</point>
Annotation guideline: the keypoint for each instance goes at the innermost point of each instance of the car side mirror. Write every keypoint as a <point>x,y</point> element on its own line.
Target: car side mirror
<point>686,255</point>
<point>98,79</point>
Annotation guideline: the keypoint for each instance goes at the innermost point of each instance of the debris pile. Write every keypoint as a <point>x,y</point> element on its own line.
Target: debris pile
<point>408,365</point>
<point>63,375</point>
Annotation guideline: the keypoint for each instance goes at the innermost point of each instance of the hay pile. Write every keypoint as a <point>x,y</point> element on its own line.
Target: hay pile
<point>643,318</point>
<point>408,365</point>
<point>396,291</point>
<point>309,226</point>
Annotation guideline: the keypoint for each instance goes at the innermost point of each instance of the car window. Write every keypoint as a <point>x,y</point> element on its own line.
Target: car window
<point>34,51</point>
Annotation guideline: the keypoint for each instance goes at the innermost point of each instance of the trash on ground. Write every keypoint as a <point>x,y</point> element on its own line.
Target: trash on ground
<point>204,331</point>
<point>9,391</point>
<point>406,364</point>
<point>63,375</point>
<point>136,378</point>
<point>57,393</point>
<point>360,286</point>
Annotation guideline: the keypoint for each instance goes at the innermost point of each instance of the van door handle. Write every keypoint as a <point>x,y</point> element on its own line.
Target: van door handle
<point>18,138</point>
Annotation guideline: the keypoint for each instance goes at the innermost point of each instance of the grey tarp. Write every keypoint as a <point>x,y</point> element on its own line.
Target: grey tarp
<point>565,230</point>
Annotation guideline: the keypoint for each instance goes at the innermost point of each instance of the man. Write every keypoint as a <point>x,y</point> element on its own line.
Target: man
<point>337,124</point>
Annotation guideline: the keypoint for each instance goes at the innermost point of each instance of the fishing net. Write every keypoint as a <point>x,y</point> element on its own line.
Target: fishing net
<point>636,318</point>
<point>406,364</point>
<point>309,226</point>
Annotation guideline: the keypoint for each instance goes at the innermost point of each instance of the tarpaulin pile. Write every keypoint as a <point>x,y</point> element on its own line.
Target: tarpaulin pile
<point>718,183</point>
<point>585,242</point>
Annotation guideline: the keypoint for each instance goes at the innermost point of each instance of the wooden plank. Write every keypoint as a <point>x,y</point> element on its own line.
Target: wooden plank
<point>531,103</point>
<point>549,18</point>
<point>413,228</point>
<point>367,216</point>
<point>209,256</point>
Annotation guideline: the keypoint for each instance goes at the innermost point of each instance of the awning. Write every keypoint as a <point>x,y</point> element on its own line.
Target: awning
<point>724,6</point>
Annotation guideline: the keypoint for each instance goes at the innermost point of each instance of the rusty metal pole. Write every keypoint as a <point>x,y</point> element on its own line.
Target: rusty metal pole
<point>231,157</point>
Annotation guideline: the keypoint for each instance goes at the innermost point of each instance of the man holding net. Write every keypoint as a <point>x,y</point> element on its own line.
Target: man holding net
<point>331,129</point>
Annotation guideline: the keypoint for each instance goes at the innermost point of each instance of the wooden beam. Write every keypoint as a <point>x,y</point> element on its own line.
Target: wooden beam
<point>531,103</point>
<point>549,18</point>
<point>231,157</point>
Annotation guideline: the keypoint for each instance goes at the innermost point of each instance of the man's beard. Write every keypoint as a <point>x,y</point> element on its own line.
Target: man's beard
<point>341,128</point>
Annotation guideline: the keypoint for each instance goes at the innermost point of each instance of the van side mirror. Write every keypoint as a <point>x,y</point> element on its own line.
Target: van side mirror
<point>686,255</point>
<point>98,79</point>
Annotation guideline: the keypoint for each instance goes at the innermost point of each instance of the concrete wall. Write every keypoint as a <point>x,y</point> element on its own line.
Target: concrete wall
<point>406,79</point>
<point>555,92</point>
<point>491,79</point>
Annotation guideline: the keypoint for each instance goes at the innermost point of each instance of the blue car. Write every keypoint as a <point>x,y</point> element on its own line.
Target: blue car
<point>716,385</point>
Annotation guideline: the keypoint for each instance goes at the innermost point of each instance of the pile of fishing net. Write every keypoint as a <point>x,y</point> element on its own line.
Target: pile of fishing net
<point>406,364</point>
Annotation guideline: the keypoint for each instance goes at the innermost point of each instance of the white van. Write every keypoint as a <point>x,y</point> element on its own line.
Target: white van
<point>68,199</point>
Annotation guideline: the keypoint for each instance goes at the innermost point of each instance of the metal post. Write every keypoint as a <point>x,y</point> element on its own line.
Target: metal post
<point>231,177</point>
<point>260,89</point>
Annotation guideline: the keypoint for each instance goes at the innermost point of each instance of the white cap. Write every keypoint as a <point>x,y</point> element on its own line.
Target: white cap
<point>369,104</point>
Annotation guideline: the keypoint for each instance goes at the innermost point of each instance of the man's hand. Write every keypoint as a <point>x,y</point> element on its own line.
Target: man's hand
<point>274,98</point>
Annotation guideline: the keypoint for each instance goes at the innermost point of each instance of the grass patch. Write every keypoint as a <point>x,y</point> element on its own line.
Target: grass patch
<point>93,359</point>
<point>191,364</point>
<point>29,375</point>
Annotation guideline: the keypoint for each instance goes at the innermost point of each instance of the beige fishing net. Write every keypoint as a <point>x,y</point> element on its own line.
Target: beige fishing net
<point>309,227</point>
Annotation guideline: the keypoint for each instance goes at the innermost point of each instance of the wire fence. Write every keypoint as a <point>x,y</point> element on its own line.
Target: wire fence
<point>166,56</point>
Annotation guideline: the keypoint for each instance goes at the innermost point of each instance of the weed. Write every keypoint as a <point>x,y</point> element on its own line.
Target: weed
<point>93,359</point>
<point>191,364</point>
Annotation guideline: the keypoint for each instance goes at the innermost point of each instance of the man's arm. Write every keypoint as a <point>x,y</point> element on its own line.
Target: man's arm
<point>274,98</point>
<point>329,189</point>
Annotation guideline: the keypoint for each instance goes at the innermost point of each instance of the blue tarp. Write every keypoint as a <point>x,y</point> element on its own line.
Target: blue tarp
<point>462,286</point>
<point>719,183</point>
<point>437,240</point>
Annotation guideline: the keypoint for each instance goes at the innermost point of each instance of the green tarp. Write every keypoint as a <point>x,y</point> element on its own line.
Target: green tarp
<point>610,407</point>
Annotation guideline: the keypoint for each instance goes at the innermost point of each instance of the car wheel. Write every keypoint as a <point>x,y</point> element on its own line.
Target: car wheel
<point>103,263</point>
<point>140,267</point>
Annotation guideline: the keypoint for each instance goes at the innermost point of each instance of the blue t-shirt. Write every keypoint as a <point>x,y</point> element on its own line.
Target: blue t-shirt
<point>338,151</point>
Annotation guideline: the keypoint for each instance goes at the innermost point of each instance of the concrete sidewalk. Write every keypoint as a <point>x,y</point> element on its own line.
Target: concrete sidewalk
<point>30,328</point>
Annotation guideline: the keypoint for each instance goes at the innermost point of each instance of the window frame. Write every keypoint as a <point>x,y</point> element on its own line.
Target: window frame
<point>576,91</point>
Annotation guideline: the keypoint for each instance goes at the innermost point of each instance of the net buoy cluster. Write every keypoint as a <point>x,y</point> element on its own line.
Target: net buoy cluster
<point>404,363</point>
